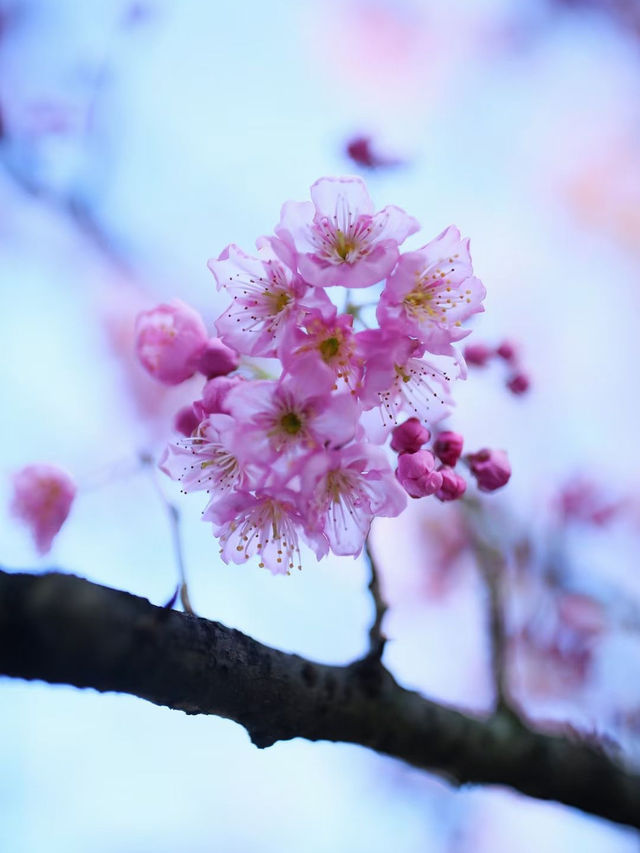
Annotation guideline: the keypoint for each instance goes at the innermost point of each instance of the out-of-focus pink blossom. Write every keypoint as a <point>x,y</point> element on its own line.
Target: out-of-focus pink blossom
<point>448,447</point>
<point>169,341</point>
<point>42,498</point>
<point>555,647</point>
<point>583,500</point>
<point>491,469</point>
<point>217,359</point>
<point>507,351</point>
<point>409,436</point>
<point>417,473</point>
<point>362,151</point>
<point>477,355</point>
<point>453,485</point>
<point>432,291</point>
<point>337,237</point>
<point>519,383</point>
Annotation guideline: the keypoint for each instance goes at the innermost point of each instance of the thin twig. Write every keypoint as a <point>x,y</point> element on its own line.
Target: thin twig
<point>377,640</point>
<point>173,514</point>
<point>491,565</point>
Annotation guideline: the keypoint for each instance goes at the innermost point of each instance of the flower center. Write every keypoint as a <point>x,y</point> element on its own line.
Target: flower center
<point>279,300</point>
<point>291,423</point>
<point>329,348</point>
<point>344,245</point>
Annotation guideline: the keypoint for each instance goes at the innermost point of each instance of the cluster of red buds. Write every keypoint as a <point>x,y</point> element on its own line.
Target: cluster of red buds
<point>419,473</point>
<point>479,355</point>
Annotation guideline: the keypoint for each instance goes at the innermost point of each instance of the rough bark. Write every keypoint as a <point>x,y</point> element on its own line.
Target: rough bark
<point>62,629</point>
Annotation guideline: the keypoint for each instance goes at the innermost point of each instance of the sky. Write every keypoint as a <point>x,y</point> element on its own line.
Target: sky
<point>141,139</point>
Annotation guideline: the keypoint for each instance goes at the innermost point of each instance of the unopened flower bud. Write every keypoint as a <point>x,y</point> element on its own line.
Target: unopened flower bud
<point>42,498</point>
<point>217,359</point>
<point>477,354</point>
<point>215,391</point>
<point>417,475</point>
<point>491,469</point>
<point>169,341</point>
<point>506,351</point>
<point>518,383</point>
<point>409,436</point>
<point>448,447</point>
<point>453,485</point>
<point>186,420</point>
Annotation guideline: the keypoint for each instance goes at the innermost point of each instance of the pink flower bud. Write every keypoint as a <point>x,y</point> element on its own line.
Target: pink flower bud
<point>417,475</point>
<point>215,391</point>
<point>169,341</point>
<point>506,351</point>
<point>186,420</point>
<point>491,469</point>
<point>42,498</point>
<point>218,359</point>
<point>518,383</point>
<point>448,447</point>
<point>477,354</point>
<point>409,436</point>
<point>453,485</point>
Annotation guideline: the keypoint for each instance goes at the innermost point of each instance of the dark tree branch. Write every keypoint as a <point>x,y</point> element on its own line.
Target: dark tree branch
<point>62,629</point>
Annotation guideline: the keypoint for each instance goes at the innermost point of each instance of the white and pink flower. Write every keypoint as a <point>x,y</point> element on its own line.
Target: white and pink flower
<point>337,237</point>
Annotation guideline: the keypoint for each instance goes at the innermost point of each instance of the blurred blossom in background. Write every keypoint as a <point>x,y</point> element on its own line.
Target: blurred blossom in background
<point>136,141</point>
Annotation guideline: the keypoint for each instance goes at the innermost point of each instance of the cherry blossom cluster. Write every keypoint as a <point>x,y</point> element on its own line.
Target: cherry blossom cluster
<point>287,437</point>
<point>479,355</point>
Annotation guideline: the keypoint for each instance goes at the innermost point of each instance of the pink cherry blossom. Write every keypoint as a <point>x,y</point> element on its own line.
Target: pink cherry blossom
<point>324,352</point>
<point>267,297</point>
<point>432,292</point>
<point>448,447</point>
<point>42,498</point>
<point>397,378</point>
<point>491,469</point>
<point>169,341</point>
<point>409,436</point>
<point>267,525</point>
<point>285,416</point>
<point>346,489</point>
<point>337,237</point>
<point>417,474</point>
<point>210,460</point>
